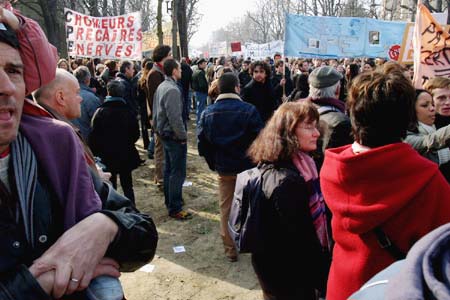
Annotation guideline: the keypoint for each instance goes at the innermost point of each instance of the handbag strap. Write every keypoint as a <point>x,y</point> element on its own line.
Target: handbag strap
<point>388,245</point>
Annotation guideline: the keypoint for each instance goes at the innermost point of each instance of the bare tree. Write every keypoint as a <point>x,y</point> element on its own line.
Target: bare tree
<point>182,27</point>
<point>159,23</point>
<point>193,18</point>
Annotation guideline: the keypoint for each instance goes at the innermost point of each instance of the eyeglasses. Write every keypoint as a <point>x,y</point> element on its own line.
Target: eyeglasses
<point>309,127</point>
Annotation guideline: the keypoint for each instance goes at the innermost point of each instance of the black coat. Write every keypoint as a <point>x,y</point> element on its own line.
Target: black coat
<point>244,78</point>
<point>129,92</point>
<point>290,241</point>
<point>115,130</point>
<point>186,77</point>
<point>261,95</point>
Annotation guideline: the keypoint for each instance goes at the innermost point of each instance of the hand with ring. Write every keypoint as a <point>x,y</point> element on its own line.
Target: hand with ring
<point>77,253</point>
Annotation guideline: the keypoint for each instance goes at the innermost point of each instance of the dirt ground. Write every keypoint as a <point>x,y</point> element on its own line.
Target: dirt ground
<point>202,272</point>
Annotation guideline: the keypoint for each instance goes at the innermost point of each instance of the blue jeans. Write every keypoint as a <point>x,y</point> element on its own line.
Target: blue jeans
<point>201,103</point>
<point>175,155</point>
<point>104,288</point>
<point>151,146</point>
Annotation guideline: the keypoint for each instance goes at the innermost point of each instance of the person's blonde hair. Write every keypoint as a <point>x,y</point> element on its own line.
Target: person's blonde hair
<point>278,141</point>
<point>437,83</point>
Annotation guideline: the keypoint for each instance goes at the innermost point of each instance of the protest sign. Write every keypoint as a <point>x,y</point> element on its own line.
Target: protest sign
<point>431,48</point>
<point>331,37</point>
<point>236,47</point>
<point>118,37</point>
<point>218,49</point>
<point>261,51</point>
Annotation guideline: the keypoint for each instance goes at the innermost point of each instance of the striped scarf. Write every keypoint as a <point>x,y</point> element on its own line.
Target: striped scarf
<point>307,168</point>
<point>25,177</point>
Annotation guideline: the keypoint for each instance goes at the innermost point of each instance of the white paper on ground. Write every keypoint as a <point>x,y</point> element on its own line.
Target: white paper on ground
<point>179,249</point>
<point>187,183</point>
<point>148,268</point>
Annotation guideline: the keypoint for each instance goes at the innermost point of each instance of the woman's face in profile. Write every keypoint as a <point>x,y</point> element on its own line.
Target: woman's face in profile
<point>307,135</point>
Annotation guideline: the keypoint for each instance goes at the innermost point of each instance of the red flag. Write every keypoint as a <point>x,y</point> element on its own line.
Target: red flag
<point>236,47</point>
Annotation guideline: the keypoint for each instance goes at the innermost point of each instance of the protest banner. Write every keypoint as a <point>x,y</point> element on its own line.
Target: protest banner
<point>218,49</point>
<point>261,51</point>
<point>431,48</point>
<point>118,37</point>
<point>331,37</point>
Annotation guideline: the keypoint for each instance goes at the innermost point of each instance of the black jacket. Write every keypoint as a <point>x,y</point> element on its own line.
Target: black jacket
<point>186,77</point>
<point>289,233</point>
<point>129,92</point>
<point>115,130</point>
<point>244,78</point>
<point>261,95</point>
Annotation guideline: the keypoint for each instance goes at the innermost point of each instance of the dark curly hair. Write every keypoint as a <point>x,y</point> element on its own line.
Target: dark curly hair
<point>263,65</point>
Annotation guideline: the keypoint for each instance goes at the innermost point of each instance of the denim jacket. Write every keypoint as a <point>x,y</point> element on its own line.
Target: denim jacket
<point>226,130</point>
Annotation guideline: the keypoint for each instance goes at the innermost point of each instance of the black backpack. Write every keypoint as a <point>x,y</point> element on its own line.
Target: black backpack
<point>244,222</point>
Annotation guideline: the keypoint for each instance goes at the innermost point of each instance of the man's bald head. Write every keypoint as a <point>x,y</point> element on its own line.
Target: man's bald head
<point>62,95</point>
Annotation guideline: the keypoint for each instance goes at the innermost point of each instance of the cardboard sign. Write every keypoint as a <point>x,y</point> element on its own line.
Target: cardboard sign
<point>431,48</point>
<point>118,37</point>
<point>236,47</point>
<point>261,51</point>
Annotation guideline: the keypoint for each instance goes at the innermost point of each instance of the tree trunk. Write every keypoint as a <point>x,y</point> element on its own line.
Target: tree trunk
<point>122,7</point>
<point>175,53</point>
<point>182,27</point>
<point>315,10</point>
<point>93,8</point>
<point>49,14</point>
<point>159,23</point>
<point>105,8</point>
<point>114,8</point>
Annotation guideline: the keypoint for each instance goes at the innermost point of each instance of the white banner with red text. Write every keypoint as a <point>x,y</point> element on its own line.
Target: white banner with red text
<point>117,37</point>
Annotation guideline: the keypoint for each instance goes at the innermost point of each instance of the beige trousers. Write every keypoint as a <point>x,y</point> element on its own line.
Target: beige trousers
<point>226,192</point>
<point>159,159</point>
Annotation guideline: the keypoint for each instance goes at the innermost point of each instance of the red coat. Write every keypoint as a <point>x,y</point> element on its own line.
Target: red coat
<point>392,186</point>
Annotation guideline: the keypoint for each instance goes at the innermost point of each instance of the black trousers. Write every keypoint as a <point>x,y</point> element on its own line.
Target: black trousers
<point>277,282</point>
<point>126,182</point>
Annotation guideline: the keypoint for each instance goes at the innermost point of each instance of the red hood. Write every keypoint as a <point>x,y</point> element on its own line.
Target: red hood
<point>365,190</point>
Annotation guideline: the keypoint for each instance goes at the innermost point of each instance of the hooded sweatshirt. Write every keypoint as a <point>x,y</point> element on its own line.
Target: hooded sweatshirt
<point>424,274</point>
<point>390,186</point>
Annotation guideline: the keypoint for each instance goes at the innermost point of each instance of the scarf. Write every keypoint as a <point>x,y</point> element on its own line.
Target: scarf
<point>62,162</point>
<point>330,102</point>
<point>24,164</point>
<point>307,168</point>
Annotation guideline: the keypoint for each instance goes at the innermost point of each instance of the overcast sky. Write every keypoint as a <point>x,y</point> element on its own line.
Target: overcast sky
<point>217,14</point>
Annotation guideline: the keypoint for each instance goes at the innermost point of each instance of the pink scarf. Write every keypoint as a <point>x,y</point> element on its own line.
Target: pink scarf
<point>307,168</point>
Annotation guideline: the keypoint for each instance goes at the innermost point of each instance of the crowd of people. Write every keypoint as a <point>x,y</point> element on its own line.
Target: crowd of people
<point>354,164</point>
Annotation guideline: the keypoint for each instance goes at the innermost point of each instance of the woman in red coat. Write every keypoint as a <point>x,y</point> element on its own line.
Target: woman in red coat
<point>378,182</point>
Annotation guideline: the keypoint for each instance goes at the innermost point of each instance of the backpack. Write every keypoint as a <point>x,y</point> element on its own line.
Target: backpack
<point>244,222</point>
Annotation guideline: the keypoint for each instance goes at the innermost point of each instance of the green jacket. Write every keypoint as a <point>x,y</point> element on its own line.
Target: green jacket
<point>199,82</point>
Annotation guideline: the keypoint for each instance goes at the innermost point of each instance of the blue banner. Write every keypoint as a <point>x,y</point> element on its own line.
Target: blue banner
<point>332,37</point>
